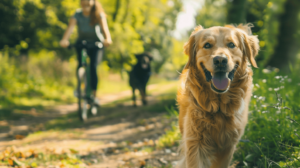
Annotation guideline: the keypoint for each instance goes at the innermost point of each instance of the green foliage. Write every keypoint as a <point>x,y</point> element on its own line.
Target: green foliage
<point>236,12</point>
<point>25,82</point>
<point>173,136</point>
<point>263,14</point>
<point>138,26</point>
<point>212,13</point>
<point>271,136</point>
<point>135,26</point>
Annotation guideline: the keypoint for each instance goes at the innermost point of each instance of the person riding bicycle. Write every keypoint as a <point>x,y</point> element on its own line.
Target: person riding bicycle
<point>91,22</point>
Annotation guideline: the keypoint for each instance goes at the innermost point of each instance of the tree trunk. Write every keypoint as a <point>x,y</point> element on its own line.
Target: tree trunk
<point>126,11</point>
<point>115,14</point>
<point>286,50</point>
<point>236,11</point>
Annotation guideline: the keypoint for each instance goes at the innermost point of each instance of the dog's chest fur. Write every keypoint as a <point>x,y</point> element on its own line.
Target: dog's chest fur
<point>216,118</point>
<point>218,128</point>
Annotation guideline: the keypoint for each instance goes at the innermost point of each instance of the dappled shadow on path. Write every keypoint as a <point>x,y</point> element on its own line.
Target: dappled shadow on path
<point>117,129</point>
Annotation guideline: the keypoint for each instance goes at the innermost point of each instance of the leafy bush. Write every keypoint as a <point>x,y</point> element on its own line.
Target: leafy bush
<point>28,81</point>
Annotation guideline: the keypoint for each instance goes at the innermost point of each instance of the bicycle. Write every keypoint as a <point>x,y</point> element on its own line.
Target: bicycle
<point>84,92</point>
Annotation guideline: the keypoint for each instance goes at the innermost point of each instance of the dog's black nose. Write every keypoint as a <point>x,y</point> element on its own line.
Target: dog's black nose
<point>220,61</point>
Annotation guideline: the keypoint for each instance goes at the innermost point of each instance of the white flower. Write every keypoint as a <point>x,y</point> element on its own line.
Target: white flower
<point>266,71</point>
<point>264,80</point>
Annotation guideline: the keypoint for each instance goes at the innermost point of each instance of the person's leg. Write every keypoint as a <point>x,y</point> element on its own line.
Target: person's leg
<point>95,58</point>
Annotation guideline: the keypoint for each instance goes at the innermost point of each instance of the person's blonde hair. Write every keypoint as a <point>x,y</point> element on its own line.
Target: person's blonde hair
<point>96,10</point>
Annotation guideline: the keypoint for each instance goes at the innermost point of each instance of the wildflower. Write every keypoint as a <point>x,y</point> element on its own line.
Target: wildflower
<point>276,89</point>
<point>266,71</point>
<point>255,96</point>
<point>277,77</point>
<point>270,89</point>
<point>257,85</point>
<point>264,80</point>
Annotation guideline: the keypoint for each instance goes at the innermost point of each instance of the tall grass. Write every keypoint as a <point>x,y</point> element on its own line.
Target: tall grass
<point>271,137</point>
<point>40,79</point>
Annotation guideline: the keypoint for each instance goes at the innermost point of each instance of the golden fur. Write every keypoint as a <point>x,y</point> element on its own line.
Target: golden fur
<point>212,124</point>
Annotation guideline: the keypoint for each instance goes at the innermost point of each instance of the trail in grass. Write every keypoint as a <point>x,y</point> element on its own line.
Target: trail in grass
<point>119,136</point>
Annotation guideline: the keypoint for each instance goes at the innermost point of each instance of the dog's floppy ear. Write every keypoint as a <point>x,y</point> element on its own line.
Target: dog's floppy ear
<point>251,48</point>
<point>251,43</point>
<point>189,47</point>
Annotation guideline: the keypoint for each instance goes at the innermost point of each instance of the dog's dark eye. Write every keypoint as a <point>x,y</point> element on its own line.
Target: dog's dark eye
<point>207,45</point>
<point>231,45</point>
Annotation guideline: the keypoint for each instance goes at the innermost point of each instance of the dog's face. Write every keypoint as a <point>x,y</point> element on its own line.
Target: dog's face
<point>144,60</point>
<point>216,53</point>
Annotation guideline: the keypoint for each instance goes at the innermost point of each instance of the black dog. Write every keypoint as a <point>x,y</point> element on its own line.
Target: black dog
<point>140,75</point>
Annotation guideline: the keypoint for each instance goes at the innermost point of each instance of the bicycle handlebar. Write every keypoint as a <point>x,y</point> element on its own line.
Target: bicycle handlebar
<point>85,44</point>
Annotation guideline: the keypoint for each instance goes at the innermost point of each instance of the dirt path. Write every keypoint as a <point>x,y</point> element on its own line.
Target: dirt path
<point>119,136</point>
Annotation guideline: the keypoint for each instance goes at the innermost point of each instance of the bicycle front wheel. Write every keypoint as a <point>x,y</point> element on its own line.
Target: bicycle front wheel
<point>82,102</point>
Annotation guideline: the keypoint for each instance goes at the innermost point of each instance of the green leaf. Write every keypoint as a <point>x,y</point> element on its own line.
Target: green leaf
<point>249,158</point>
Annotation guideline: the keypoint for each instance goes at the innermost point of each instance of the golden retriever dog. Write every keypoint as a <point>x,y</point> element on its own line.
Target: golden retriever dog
<point>214,94</point>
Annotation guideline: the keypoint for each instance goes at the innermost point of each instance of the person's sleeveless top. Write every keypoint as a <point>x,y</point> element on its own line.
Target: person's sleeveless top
<point>85,30</point>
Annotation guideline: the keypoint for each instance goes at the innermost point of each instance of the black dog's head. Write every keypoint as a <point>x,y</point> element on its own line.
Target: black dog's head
<point>144,60</point>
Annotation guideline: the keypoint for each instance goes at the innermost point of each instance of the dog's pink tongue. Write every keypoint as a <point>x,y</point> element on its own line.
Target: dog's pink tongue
<point>220,83</point>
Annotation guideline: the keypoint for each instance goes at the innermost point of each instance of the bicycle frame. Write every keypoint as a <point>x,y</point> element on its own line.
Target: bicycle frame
<point>86,63</point>
<point>84,90</point>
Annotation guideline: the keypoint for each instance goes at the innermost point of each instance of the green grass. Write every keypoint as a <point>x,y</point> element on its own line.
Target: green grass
<point>41,80</point>
<point>172,136</point>
<point>272,131</point>
<point>110,83</point>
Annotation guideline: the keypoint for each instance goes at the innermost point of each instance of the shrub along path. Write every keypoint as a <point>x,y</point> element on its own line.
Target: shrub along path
<point>119,136</point>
